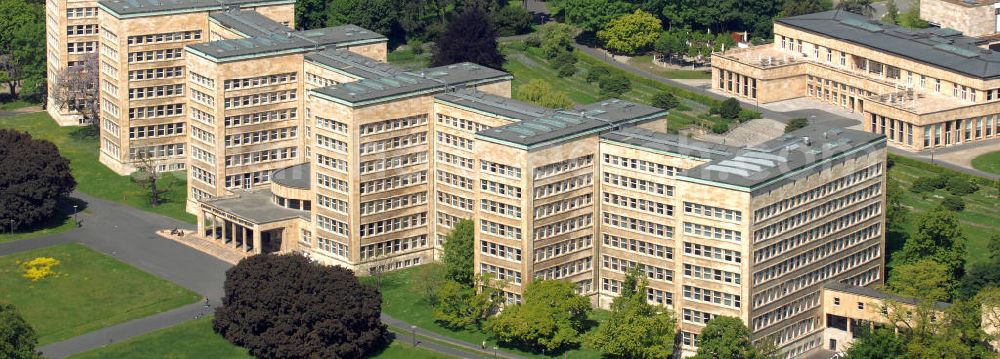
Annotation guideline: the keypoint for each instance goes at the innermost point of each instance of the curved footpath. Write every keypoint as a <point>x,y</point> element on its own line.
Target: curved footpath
<point>128,234</point>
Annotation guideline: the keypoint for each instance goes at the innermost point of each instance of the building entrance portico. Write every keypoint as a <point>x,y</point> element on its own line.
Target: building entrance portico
<point>249,223</point>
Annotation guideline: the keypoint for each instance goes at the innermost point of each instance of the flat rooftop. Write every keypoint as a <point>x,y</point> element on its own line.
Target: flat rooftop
<point>255,206</point>
<point>919,102</point>
<point>564,125</point>
<point>296,176</point>
<point>133,8</point>
<point>877,294</point>
<point>494,105</point>
<point>352,64</point>
<point>940,47</point>
<point>670,143</point>
<point>266,37</point>
<point>792,156</point>
<point>411,83</point>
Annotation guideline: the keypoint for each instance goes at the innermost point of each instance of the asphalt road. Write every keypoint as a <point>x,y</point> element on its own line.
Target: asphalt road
<point>128,234</point>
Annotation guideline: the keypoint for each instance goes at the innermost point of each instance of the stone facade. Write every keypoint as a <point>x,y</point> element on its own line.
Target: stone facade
<point>976,19</point>
<point>902,98</point>
<point>72,32</point>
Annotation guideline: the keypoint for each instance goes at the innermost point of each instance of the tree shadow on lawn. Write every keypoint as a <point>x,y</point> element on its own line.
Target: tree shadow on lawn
<point>62,214</point>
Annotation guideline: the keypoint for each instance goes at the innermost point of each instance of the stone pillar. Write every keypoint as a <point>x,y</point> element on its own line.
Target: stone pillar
<point>225,230</point>
<point>257,241</point>
<point>215,227</point>
<point>201,223</point>
<point>237,233</point>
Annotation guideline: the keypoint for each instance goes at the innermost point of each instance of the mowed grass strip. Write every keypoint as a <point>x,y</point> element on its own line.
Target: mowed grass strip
<point>987,162</point>
<point>979,219</point>
<point>92,177</point>
<point>196,339</point>
<point>89,291</point>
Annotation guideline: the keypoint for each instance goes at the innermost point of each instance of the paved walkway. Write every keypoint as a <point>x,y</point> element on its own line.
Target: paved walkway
<point>129,235</point>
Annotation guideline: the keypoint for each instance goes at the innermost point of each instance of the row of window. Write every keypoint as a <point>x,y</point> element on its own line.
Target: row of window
<point>335,164</point>
<point>500,230</point>
<point>394,182</point>
<point>566,185</point>
<point>821,191</point>
<point>332,247</point>
<point>709,252</point>
<point>500,251</point>
<point>393,203</point>
<point>563,247</point>
<point>564,270</point>
<point>711,274</point>
<point>561,206</point>
<point>331,203</point>
<point>391,225</point>
<point>788,265</point>
<point>460,123</point>
<point>202,80</point>
<point>166,129</point>
<point>711,296</point>
<point>501,189</point>
<point>165,37</point>
<point>460,202</point>
<point>643,205</point>
<point>456,160</point>
<point>393,246</point>
<point>564,226</point>
<point>699,209</point>
<point>638,225</point>
<point>818,275</point>
<point>137,93</point>
<point>385,164</point>
<point>500,169</point>
<point>624,265</point>
<point>251,138</point>
<point>503,209</point>
<point>258,81</point>
<point>259,99</point>
<point>257,157</point>
<point>331,183</point>
<point>392,125</point>
<point>705,231</point>
<point>248,179</point>
<point>636,246</point>
<point>564,166</point>
<point>168,110</point>
<point>156,73</point>
<point>640,165</point>
<point>398,142</point>
<point>807,217</point>
<point>155,55</point>
<point>638,184</point>
<point>261,117</point>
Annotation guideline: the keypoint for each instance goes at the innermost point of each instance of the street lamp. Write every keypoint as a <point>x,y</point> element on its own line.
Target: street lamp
<point>413,330</point>
<point>77,223</point>
<point>495,352</point>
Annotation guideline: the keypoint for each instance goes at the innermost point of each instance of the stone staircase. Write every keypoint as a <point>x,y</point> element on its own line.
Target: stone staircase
<point>213,248</point>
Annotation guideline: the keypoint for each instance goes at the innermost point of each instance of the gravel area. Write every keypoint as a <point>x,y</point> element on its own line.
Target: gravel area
<point>747,134</point>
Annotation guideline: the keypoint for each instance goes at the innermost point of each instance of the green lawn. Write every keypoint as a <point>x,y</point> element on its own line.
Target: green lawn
<point>8,106</point>
<point>401,300</point>
<point>527,64</point>
<point>979,219</point>
<point>92,177</point>
<point>645,62</point>
<point>409,60</point>
<point>988,162</point>
<point>91,291</point>
<point>195,339</point>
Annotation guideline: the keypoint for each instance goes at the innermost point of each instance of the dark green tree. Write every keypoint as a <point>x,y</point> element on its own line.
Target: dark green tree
<point>726,337</point>
<point>460,307</point>
<point>802,7</point>
<point>985,274</point>
<point>880,343</point>
<point>550,319</point>
<point>592,15</point>
<point>284,306</point>
<point>376,15</point>
<point>953,203</point>
<point>961,186</point>
<point>671,44</point>
<point>938,236</point>
<point>596,73</point>
<point>17,338</point>
<point>895,212</point>
<point>310,14</point>
<point>635,329</point>
<point>22,50</point>
<point>923,279</point>
<point>862,7</point>
<point>730,108</point>
<point>665,100</point>
<point>34,178</point>
<point>795,124</point>
<point>512,20</point>
<point>459,253</point>
<point>469,37</point>
<point>614,85</point>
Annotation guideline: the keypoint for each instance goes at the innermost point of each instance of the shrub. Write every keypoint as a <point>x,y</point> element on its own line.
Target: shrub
<point>614,85</point>
<point>795,124</point>
<point>34,177</point>
<point>729,109</point>
<point>923,184</point>
<point>747,115</point>
<point>596,73</point>
<point>567,70</point>
<point>960,186</point>
<point>720,127</point>
<point>953,203</point>
<point>533,40</point>
<point>665,100</point>
<point>512,20</point>
<point>39,268</point>
<point>941,180</point>
<point>562,60</point>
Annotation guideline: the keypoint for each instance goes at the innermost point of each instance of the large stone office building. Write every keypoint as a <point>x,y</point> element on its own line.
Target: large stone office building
<point>307,142</point>
<point>923,88</point>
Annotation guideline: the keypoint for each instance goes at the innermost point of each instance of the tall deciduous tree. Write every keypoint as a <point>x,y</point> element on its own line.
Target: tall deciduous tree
<point>551,318</point>
<point>34,177</point>
<point>469,37</point>
<point>592,15</point>
<point>461,307</point>
<point>924,279</point>
<point>635,329</point>
<point>376,15</point>
<point>630,33</point>
<point>22,46</point>
<point>310,14</point>
<point>17,338</point>
<point>802,7</point>
<point>459,253</point>
<point>76,88</point>
<point>541,93</point>
<point>726,337</point>
<point>284,306</point>
<point>862,7</point>
<point>878,343</point>
<point>939,236</point>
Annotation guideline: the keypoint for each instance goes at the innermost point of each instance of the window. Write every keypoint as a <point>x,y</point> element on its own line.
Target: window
<point>861,306</point>
<point>836,300</point>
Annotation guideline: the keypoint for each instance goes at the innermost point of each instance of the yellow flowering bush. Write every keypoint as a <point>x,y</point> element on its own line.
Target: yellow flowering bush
<point>39,268</point>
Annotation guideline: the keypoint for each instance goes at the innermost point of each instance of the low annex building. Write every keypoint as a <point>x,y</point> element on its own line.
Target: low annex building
<point>922,89</point>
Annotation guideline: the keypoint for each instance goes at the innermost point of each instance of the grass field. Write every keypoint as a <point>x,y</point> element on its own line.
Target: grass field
<point>987,162</point>
<point>91,291</point>
<point>8,106</point>
<point>93,178</point>
<point>645,62</point>
<point>401,300</point>
<point>526,64</point>
<point>196,340</point>
<point>979,219</point>
<point>409,60</point>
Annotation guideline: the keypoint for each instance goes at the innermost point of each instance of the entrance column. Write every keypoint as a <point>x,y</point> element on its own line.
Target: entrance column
<point>257,242</point>
<point>225,231</point>
<point>201,223</point>
<point>237,233</point>
<point>215,227</point>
